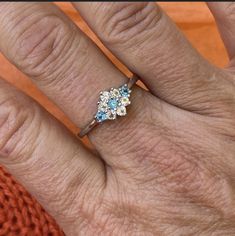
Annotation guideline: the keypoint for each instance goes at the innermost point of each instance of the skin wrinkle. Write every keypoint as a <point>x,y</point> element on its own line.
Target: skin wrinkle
<point>67,78</point>
<point>60,69</point>
<point>16,20</point>
<point>57,68</point>
<point>129,21</point>
<point>15,123</point>
<point>93,226</point>
<point>200,154</point>
<point>120,209</point>
<point>176,82</point>
<point>24,43</point>
<point>196,218</point>
<point>168,169</point>
<point>49,53</point>
<point>51,50</point>
<point>143,19</point>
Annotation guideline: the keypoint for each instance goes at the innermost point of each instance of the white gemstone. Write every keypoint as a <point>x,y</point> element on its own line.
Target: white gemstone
<point>115,93</point>
<point>121,111</point>
<point>104,96</point>
<point>102,106</point>
<point>111,115</point>
<point>125,101</point>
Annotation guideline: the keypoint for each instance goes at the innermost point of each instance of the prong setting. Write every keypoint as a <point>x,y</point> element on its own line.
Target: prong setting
<point>113,103</point>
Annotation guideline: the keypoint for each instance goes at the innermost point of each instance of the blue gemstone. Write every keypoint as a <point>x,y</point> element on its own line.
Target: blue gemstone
<point>112,103</point>
<point>124,91</point>
<point>100,116</point>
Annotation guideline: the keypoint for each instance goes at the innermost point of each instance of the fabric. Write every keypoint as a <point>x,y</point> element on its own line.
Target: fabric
<point>20,214</point>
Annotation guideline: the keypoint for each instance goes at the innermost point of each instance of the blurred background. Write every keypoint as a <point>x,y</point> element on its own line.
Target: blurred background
<point>20,214</point>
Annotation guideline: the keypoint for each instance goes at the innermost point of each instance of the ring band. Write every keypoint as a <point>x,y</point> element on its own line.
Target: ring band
<point>111,104</point>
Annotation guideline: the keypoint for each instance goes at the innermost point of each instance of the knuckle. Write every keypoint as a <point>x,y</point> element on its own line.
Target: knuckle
<point>128,20</point>
<point>18,134</point>
<point>40,43</point>
<point>68,71</point>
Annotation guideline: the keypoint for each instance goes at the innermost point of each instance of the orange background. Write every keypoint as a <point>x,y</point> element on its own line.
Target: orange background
<point>198,25</point>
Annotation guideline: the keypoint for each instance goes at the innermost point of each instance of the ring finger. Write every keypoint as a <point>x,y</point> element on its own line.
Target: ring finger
<point>69,68</point>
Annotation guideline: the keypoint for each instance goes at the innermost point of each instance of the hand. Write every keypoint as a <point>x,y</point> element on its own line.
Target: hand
<point>168,167</point>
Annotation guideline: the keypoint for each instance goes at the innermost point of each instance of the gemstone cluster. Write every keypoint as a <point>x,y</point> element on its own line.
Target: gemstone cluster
<point>113,103</point>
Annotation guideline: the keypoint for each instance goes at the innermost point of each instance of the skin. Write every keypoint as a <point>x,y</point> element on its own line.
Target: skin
<point>168,168</point>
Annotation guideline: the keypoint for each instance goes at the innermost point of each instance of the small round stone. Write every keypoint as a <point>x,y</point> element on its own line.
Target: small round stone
<point>104,96</point>
<point>111,115</point>
<point>121,111</point>
<point>100,116</point>
<point>124,90</point>
<point>125,101</point>
<point>115,93</point>
<point>112,103</point>
<point>102,106</point>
